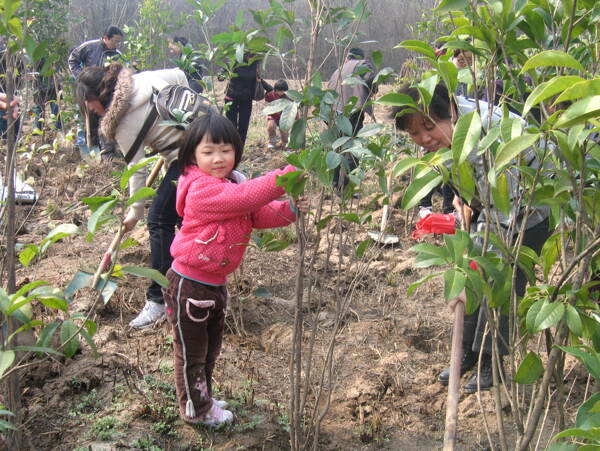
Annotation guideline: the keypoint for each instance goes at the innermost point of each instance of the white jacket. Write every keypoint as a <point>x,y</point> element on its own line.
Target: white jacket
<point>126,115</point>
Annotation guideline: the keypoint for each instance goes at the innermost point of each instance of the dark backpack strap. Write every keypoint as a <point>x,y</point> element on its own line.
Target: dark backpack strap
<point>142,134</point>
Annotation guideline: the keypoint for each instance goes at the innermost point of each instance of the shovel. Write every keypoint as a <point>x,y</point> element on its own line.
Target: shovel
<point>106,287</point>
<point>456,356</point>
<point>381,237</point>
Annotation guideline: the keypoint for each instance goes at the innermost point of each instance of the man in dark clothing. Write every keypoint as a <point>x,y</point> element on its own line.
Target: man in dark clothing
<point>188,62</point>
<point>96,52</point>
<point>355,66</point>
<point>240,93</point>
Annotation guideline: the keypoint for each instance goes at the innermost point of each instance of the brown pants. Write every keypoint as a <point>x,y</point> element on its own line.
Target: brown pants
<point>197,314</point>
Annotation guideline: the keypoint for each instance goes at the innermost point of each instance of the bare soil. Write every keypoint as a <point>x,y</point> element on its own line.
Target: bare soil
<point>388,354</point>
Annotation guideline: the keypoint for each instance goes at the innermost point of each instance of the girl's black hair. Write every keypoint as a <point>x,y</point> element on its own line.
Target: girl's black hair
<point>218,128</point>
<point>281,85</point>
<point>439,108</point>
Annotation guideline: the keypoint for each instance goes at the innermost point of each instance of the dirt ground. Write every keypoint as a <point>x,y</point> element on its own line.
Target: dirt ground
<point>388,353</point>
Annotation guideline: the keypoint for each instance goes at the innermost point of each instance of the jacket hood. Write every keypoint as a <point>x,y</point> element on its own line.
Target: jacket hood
<point>120,104</point>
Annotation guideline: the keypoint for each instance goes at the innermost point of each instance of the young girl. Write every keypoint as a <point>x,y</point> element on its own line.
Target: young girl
<point>218,217</point>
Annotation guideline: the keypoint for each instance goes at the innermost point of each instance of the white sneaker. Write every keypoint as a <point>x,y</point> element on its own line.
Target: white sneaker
<point>217,416</point>
<point>220,403</point>
<point>150,314</point>
<point>271,146</point>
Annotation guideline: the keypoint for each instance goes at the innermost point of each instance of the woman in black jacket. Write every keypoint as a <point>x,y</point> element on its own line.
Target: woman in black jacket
<point>240,93</point>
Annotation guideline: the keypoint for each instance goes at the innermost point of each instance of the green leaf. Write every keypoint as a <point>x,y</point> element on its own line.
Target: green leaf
<point>532,314</point>
<point>5,425</point>
<point>417,46</point>
<point>6,360</point>
<point>580,111</point>
<point>68,329</point>
<point>29,252</point>
<point>586,355</point>
<point>42,349</point>
<point>95,218</point>
<point>369,130</point>
<point>501,195</point>
<point>530,369</point>
<point>419,188</point>
<point>548,89</point>
<point>454,283</point>
<point>89,340</point>
<point>149,273</point>
<point>396,99</point>
<point>126,175</point>
<point>574,321</point>
<point>413,286</point>
<point>340,142</point>
<point>578,90</point>
<point>549,316</point>
<point>296,140</point>
<point>142,193</point>
<point>587,415</point>
<point>556,58</point>
<point>509,151</point>
<point>333,160</point>
<point>465,137</point>
<point>593,434</point>
<point>288,116</point>
<point>46,334</point>
<point>404,165</point>
<point>362,247</point>
<point>446,6</point>
<point>550,253</point>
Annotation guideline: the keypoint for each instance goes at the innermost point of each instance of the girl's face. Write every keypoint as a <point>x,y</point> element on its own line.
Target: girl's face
<point>216,159</point>
<point>431,136</point>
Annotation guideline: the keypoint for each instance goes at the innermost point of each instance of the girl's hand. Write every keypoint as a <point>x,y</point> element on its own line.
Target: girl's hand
<point>302,204</point>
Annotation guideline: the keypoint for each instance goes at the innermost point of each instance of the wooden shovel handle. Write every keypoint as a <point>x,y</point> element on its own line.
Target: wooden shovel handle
<point>108,255</point>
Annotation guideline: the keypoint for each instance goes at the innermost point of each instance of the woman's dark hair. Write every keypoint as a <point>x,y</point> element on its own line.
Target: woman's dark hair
<point>112,30</point>
<point>218,128</point>
<point>98,83</point>
<point>439,108</point>
<point>281,85</point>
<point>180,40</point>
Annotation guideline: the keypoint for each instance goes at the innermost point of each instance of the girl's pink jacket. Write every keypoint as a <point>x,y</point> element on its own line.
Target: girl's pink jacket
<point>218,218</point>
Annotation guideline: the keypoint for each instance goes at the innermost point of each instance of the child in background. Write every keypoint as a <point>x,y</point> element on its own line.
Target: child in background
<point>218,217</point>
<point>275,93</point>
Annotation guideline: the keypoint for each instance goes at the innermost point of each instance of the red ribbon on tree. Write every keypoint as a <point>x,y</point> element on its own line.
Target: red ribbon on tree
<point>435,223</point>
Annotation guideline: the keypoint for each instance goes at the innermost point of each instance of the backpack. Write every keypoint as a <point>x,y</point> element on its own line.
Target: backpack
<point>170,104</point>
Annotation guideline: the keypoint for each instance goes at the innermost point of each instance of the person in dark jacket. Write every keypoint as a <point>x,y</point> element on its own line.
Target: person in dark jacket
<point>96,53</point>
<point>240,93</point>
<point>186,61</point>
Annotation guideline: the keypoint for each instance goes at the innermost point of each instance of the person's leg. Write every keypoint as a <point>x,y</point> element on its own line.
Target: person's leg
<point>272,132</point>
<point>162,220</point>
<point>534,238</point>
<point>245,111</point>
<point>357,119</point>
<point>192,308</point>
<point>215,335</point>
<point>284,138</point>
<point>55,111</point>
<point>233,113</point>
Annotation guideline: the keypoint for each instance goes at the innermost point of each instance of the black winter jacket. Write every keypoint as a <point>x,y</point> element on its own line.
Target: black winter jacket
<point>90,53</point>
<point>242,87</point>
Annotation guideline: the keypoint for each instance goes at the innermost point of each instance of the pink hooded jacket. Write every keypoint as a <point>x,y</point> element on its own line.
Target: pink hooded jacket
<point>218,218</point>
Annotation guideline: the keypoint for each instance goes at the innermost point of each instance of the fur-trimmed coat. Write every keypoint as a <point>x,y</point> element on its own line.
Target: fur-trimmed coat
<point>125,117</point>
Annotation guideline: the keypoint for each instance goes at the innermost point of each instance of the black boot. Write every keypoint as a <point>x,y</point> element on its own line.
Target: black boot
<point>469,360</point>
<point>486,378</point>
